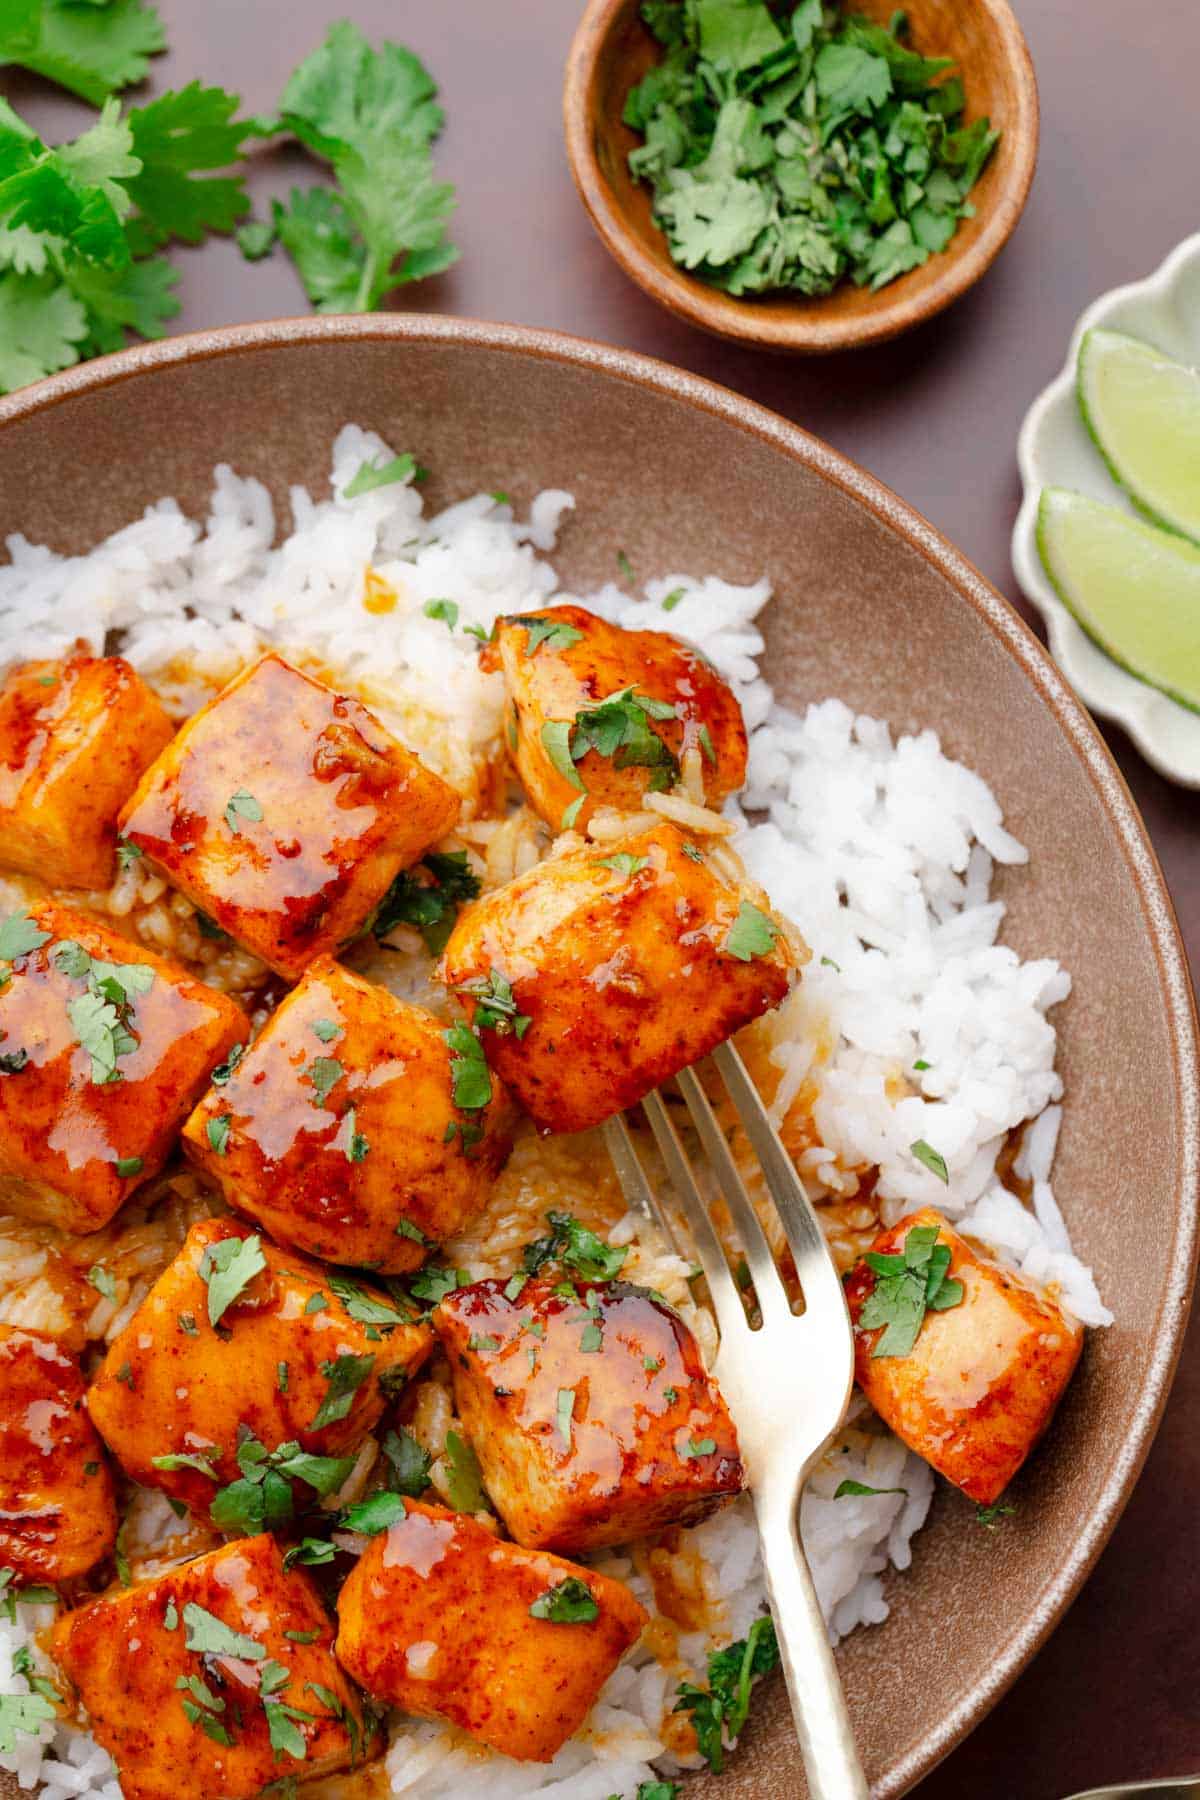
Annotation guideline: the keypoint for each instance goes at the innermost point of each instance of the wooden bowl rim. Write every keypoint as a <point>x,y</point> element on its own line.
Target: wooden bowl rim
<point>1018,642</point>
<point>692,300</point>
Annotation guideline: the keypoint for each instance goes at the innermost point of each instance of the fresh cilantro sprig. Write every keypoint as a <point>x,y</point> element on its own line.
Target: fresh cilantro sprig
<point>495,1008</point>
<point>81,222</point>
<point>373,116</point>
<point>262,1499</point>
<point>227,1267</point>
<point>719,1711</point>
<point>570,1602</point>
<point>792,149</point>
<point>909,1284</point>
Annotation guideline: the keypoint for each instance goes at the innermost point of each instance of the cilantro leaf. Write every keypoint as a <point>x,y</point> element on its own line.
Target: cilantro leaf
<point>908,1284</point>
<point>228,1267</point>
<point>570,1602</point>
<point>556,634</point>
<point>408,1464</point>
<point>471,1080</point>
<point>432,906</point>
<point>19,936</point>
<point>324,1072</point>
<point>373,115</point>
<point>845,1489</point>
<point>372,475</point>
<point>751,934</point>
<point>375,1514</point>
<point>464,1481</point>
<point>210,1636</point>
<point>89,49</point>
<point>495,1008</point>
<point>719,1712</point>
<point>365,1308</point>
<point>174,137</point>
<point>42,329</point>
<point>345,1375</point>
<point>622,863</point>
<point>575,1247</point>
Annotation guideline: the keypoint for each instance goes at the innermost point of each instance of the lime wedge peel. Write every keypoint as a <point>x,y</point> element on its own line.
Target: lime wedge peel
<point>1142,409</point>
<point>1135,590</point>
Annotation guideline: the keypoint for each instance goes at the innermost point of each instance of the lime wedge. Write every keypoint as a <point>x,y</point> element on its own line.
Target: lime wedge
<point>1134,589</point>
<point>1143,410</point>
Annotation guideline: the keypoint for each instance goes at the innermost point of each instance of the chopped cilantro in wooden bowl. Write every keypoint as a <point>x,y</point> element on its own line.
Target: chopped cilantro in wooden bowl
<point>804,176</point>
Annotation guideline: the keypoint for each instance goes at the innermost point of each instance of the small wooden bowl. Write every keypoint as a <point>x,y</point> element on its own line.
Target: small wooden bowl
<point>612,51</point>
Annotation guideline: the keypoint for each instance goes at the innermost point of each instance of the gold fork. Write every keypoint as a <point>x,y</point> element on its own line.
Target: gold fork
<point>787,1380</point>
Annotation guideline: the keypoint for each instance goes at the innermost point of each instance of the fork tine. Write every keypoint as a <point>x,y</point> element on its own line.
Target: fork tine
<point>819,1279</point>
<point>721,1285</point>
<point>768,1287</point>
<point>635,1184</point>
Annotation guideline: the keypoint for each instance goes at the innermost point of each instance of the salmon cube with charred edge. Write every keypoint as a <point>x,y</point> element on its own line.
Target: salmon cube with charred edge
<point>593,1419</point>
<point>338,1129</point>
<point>297,1357</point>
<point>983,1377</point>
<point>217,1677</point>
<point>104,1049</point>
<point>284,811</point>
<point>57,1514</point>
<point>610,714</point>
<point>625,962</point>
<point>444,1619</point>
<point>75,739</point>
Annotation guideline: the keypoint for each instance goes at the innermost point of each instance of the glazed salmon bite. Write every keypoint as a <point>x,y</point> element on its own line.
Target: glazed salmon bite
<point>444,1619</point>
<point>57,1513</point>
<point>105,1046</point>
<point>75,739</point>
<point>981,1381</point>
<point>628,960</point>
<point>284,811</point>
<point>214,1678</point>
<point>338,1129</point>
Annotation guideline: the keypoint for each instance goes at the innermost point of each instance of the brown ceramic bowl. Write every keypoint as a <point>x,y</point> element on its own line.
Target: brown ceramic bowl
<point>873,605</point>
<point>613,50</point>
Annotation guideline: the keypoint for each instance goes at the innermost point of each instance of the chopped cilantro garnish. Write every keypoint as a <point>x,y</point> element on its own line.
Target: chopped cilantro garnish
<point>556,742</point>
<point>199,1461</point>
<point>242,805</point>
<point>224,1071</point>
<point>210,1636</point>
<point>933,1160</point>
<point>311,1552</point>
<point>671,600</point>
<point>751,934</point>
<point>575,1247</point>
<point>845,1489</point>
<point>619,728</point>
<point>375,1514</point>
<point>445,610</point>
<point>697,1447</point>
<point>564,1413</point>
<point>366,1308</point>
<point>408,1464</point>
<point>789,150</point>
<point>228,1267</point>
<point>470,1076</point>
<point>464,1481</point>
<point>570,1602</point>
<point>128,1166</point>
<point>19,936</point>
<point>719,1712</point>
<point>324,1072</point>
<point>326,1029</point>
<point>430,906</point>
<point>435,1281</point>
<point>356,1145</point>
<point>624,565</point>
<point>907,1286</point>
<point>125,1375</point>
<point>372,475</point>
<point>216,1130</point>
<point>495,1008</point>
<point>622,863</point>
<point>591,1338</point>
<point>261,1499</point>
<point>990,1516</point>
<point>481,1342</point>
<point>556,634</point>
<point>316,1302</point>
<point>281,1377</point>
<point>127,854</point>
<point>345,1375</point>
<point>101,1279</point>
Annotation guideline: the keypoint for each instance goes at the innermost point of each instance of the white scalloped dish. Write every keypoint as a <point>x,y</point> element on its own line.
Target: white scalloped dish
<point>1055,450</point>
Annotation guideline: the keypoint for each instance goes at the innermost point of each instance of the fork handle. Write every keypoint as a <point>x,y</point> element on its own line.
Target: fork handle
<point>814,1687</point>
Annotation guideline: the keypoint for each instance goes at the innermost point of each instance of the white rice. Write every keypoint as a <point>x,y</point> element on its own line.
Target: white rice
<point>881,852</point>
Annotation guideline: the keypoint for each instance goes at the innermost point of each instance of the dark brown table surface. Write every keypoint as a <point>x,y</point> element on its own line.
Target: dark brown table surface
<point>1116,1693</point>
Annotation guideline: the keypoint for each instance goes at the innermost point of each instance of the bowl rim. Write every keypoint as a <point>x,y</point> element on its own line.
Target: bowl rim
<point>1011,633</point>
<point>735,319</point>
